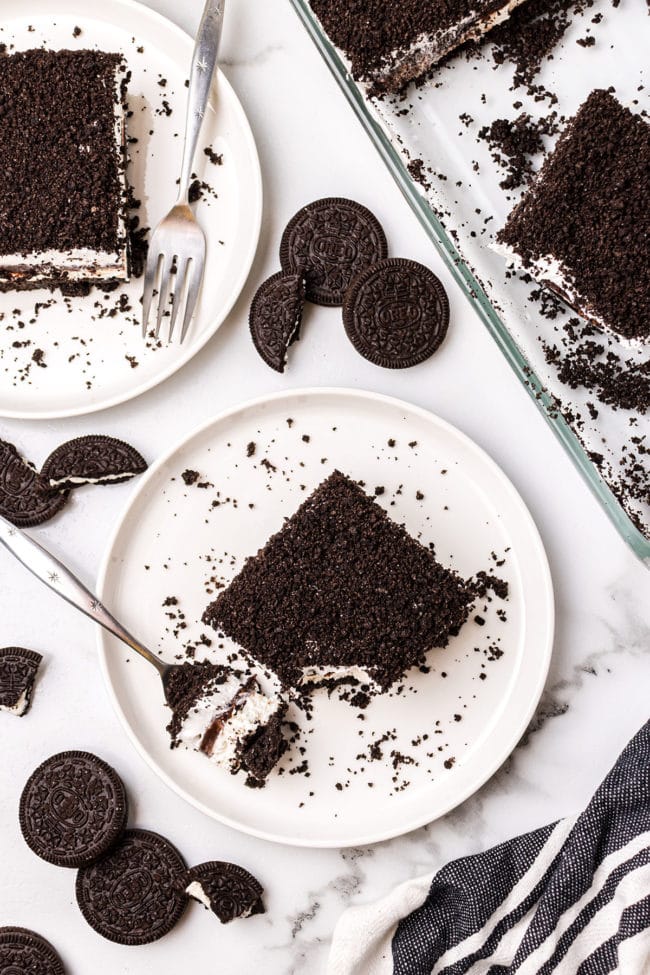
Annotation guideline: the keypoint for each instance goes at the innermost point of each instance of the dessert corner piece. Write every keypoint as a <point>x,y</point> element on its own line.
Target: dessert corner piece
<point>341,592</point>
<point>392,44</point>
<point>583,227</point>
<point>63,196</point>
<point>227,718</point>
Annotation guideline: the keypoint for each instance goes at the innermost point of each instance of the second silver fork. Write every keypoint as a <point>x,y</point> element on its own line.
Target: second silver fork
<point>176,257</point>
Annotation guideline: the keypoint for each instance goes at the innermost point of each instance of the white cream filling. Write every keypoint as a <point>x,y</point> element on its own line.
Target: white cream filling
<point>317,675</point>
<point>256,711</point>
<point>196,891</point>
<point>19,707</point>
<point>206,710</point>
<point>80,263</point>
<point>104,479</point>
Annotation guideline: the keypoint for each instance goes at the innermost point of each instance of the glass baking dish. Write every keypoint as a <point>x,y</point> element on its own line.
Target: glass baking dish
<point>459,202</point>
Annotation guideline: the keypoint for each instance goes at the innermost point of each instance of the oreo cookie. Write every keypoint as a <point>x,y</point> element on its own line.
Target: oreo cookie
<point>275,317</point>
<point>396,313</point>
<point>134,894</point>
<point>72,809</point>
<point>226,889</point>
<point>24,952</point>
<point>330,241</point>
<point>95,459</point>
<point>18,668</point>
<point>26,498</point>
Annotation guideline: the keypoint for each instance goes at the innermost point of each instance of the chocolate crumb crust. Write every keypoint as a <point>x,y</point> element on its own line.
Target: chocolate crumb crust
<point>341,585</point>
<point>589,210</point>
<point>54,196</point>
<point>264,750</point>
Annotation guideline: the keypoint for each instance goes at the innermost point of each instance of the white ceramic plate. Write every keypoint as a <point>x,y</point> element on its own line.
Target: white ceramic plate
<point>173,540</point>
<point>90,360</point>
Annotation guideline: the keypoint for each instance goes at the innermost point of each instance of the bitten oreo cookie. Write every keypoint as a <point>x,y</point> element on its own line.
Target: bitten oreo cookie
<point>18,668</point>
<point>275,317</point>
<point>26,498</point>
<point>331,240</point>
<point>72,809</point>
<point>226,889</point>
<point>396,313</point>
<point>24,952</point>
<point>134,895</point>
<point>94,459</point>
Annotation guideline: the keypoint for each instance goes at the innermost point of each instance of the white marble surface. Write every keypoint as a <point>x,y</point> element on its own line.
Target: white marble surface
<point>596,697</point>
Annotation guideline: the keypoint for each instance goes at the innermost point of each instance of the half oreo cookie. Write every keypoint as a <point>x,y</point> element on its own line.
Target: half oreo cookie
<point>396,313</point>
<point>226,889</point>
<point>18,668</point>
<point>134,894</point>
<point>331,240</point>
<point>26,498</point>
<point>95,459</point>
<point>275,317</point>
<point>72,809</point>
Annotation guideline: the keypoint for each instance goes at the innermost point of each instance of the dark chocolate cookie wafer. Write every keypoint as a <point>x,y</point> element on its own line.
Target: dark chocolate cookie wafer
<point>396,313</point>
<point>24,952</point>
<point>73,809</point>
<point>226,889</point>
<point>134,895</point>
<point>94,459</point>
<point>18,669</point>
<point>331,240</point>
<point>26,498</point>
<point>275,317</point>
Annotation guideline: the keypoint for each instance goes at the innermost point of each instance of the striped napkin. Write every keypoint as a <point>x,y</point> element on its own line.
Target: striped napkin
<point>569,899</point>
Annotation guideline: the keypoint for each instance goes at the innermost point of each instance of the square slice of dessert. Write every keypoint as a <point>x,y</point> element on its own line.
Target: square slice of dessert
<point>63,195</point>
<point>583,228</point>
<point>390,44</point>
<point>341,592</point>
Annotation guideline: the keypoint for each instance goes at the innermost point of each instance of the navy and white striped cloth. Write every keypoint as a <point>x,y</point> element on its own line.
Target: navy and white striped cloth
<point>570,899</point>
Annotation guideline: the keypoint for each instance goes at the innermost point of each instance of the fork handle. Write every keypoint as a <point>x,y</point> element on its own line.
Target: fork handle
<point>58,577</point>
<point>204,61</point>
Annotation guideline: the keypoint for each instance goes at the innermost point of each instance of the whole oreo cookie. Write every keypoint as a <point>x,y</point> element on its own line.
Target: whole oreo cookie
<point>95,459</point>
<point>275,317</point>
<point>18,669</point>
<point>72,809</point>
<point>396,314</point>
<point>26,498</point>
<point>330,241</point>
<point>133,895</point>
<point>226,889</point>
<point>24,952</point>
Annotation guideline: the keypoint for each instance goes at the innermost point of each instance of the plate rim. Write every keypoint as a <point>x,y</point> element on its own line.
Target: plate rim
<point>543,661</point>
<point>255,194</point>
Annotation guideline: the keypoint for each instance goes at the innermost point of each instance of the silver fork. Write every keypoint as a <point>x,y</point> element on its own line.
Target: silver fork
<point>176,258</point>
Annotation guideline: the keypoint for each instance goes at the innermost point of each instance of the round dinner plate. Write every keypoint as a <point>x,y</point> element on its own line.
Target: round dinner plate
<point>92,352</point>
<point>409,757</point>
